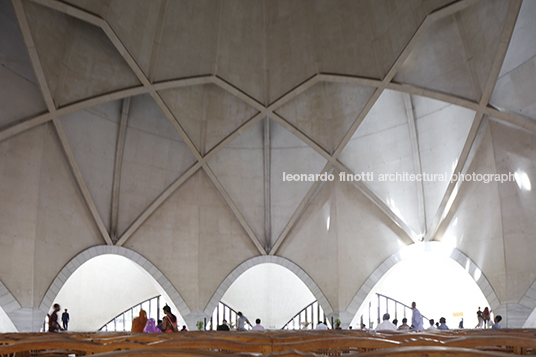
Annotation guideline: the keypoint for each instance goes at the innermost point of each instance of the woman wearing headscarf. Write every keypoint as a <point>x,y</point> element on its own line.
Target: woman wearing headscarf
<point>169,322</point>
<point>150,327</point>
<point>138,324</point>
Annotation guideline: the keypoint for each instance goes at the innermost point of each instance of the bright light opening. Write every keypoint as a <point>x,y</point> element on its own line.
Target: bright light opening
<point>523,180</point>
<point>440,286</point>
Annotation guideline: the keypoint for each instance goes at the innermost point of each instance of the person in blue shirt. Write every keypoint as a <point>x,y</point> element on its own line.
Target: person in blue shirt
<point>442,324</point>
<point>497,319</point>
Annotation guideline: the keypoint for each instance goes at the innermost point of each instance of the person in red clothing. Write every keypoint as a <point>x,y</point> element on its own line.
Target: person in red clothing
<point>169,322</point>
<point>138,324</point>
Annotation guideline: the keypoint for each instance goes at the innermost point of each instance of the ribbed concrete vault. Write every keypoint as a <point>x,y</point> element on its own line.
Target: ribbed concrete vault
<point>167,127</point>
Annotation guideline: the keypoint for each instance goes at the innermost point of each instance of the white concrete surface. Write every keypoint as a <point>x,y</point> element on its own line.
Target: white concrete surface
<point>195,73</point>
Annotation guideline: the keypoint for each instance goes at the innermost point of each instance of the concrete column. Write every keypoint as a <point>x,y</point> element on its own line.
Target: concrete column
<point>192,318</point>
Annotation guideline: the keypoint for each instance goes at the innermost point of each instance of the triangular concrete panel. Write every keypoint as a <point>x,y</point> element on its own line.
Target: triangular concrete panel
<point>197,227</point>
<point>442,130</point>
<point>365,235</point>
<point>289,155</point>
<point>20,96</point>
<point>80,60</point>
<point>474,223</point>
<point>154,157</point>
<point>239,167</point>
<point>383,150</point>
<point>139,37</point>
<point>326,111</point>
<point>290,46</point>
<point>480,27</point>
<point>515,89</point>
<point>92,135</point>
<point>341,224</point>
<point>241,46</point>
<point>439,62</point>
<point>62,211</point>
<point>515,158</point>
<point>207,113</point>
<point>189,38</point>
<point>19,194</point>
<point>355,38</point>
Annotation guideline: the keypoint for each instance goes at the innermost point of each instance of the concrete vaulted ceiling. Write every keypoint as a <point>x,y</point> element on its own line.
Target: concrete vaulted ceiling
<point>166,127</point>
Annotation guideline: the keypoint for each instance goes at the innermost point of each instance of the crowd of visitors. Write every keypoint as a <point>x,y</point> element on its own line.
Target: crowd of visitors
<point>417,322</point>
<point>169,322</point>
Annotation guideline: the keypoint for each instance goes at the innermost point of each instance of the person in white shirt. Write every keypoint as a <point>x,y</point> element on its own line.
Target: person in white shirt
<point>432,325</point>
<point>321,326</point>
<point>258,326</point>
<point>497,319</point>
<point>386,325</point>
<point>416,319</point>
<point>241,322</point>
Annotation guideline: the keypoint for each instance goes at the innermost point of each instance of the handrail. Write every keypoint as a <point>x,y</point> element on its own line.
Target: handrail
<point>387,298</point>
<point>131,308</point>
<point>310,306</point>
<point>217,311</point>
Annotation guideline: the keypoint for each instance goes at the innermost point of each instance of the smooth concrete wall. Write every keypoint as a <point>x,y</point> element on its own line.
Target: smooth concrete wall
<point>196,237</point>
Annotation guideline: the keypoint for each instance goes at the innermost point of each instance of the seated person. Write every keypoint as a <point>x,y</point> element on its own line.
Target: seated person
<point>432,325</point>
<point>497,319</point>
<point>321,326</point>
<point>404,325</point>
<point>442,324</point>
<point>258,326</point>
<point>169,322</point>
<point>150,327</point>
<point>223,326</point>
<point>138,324</point>
<point>386,325</point>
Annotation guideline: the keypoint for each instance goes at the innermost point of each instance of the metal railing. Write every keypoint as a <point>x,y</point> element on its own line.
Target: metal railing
<point>307,318</point>
<point>221,312</point>
<point>395,305</point>
<point>123,321</point>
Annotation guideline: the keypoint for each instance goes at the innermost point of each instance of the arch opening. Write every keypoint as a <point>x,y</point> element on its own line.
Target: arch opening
<point>439,285</point>
<point>105,286</point>
<point>270,292</point>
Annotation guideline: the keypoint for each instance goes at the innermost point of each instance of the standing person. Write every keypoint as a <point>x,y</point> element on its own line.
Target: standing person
<point>138,324</point>
<point>460,325</point>
<point>169,322</point>
<point>480,320</point>
<point>241,322</point>
<point>53,325</point>
<point>486,317</point>
<point>65,319</point>
<point>416,319</point>
<point>258,326</point>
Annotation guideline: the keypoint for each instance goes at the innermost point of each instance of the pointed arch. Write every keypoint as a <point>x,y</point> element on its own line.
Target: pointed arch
<point>436,247</point>
<point>93,252</point>
<point>239,270</point>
